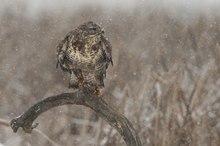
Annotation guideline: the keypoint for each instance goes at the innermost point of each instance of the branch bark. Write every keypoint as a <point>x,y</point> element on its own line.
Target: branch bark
<point>80,97</point>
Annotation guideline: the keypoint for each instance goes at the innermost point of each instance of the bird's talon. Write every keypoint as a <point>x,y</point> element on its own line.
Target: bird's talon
<point>98,92</point>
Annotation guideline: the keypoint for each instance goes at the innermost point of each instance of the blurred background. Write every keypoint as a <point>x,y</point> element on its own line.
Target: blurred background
<point>165,78</point>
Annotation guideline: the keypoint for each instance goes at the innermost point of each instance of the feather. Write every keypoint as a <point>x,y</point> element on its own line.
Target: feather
<point>86,53</point>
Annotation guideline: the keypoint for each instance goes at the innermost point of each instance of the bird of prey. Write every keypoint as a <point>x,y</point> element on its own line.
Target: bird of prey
<point>86,54</point>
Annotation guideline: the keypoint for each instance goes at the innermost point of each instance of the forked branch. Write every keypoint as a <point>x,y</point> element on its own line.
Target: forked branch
<point>81,97</point>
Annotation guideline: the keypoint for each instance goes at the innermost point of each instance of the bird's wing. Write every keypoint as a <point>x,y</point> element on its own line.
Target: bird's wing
<point>107,49</point>
<point>62,48</point>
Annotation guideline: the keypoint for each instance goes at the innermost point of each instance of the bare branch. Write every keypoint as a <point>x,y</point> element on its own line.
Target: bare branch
<point>81,97</point>
<point>7,124</point>
<point>4,122</point>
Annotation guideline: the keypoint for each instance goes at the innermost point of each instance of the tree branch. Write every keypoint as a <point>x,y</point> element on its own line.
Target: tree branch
<point>7,124</point>
<point>81,97</point>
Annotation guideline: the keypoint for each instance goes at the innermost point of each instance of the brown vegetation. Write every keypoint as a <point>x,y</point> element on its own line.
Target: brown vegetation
<point>165,77</point>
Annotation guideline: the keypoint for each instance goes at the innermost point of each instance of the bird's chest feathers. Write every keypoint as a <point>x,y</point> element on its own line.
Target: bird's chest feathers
<point>91,41</point>
<point>87,57</point>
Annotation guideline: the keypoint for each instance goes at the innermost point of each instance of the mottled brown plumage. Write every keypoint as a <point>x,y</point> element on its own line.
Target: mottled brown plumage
<point>86,54</point>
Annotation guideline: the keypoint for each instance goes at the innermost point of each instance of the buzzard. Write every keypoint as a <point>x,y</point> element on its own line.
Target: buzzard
<point>86,54</point>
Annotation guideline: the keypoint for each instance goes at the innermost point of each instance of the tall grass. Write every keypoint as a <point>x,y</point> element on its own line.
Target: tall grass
<point>165,77</point>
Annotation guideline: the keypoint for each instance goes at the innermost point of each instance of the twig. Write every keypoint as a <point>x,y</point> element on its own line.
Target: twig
<point>4,122</point>
<point>81,97</point>
<point>7,124</point>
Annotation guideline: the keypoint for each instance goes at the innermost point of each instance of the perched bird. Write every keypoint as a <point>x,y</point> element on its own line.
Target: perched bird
<point>86,54</point>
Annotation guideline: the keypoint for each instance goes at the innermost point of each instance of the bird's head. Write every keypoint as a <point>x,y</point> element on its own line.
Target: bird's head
<point>91,33</point>
<point>91,29</point>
